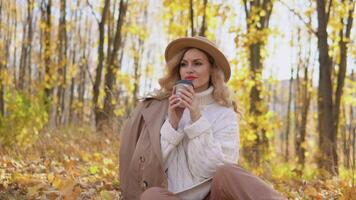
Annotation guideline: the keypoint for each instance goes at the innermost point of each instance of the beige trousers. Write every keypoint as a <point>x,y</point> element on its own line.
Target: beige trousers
<point>230,182</point>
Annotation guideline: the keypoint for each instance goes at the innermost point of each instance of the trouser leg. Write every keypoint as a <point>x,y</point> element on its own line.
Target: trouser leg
<point>157,193</point>
<point>233,182</point>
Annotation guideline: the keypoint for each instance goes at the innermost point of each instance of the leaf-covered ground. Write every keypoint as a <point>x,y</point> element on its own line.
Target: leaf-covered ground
<point>80,164</point>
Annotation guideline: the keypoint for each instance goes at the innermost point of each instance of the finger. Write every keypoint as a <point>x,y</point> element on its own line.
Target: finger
<point>174,101</point>
<point>187,93</point>
<point>176,104</point>
<point>174,90</point>
<point>172,97</point>
<point>186,104</point>
<point>187,99</point>
<point>190,88</point>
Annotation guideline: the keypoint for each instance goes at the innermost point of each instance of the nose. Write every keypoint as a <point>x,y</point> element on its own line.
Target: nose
<point>190,68</point>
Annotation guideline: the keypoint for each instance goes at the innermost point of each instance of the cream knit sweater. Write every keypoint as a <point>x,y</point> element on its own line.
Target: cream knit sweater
<point>192,153</point>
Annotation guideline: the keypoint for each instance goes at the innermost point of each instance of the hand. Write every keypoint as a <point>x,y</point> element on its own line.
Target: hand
<point>175,112</point>
<point>189,101</point>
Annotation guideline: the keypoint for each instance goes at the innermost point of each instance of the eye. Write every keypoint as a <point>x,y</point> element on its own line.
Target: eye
<point>182,64</point>
<point>198,63</point>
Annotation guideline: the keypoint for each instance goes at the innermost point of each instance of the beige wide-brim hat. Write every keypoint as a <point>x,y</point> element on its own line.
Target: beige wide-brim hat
<point>204,44</point>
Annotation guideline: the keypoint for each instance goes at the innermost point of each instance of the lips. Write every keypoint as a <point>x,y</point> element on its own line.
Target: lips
<point>190,78</point>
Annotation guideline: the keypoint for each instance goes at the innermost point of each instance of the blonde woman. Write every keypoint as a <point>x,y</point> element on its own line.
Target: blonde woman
<point>183,142</point>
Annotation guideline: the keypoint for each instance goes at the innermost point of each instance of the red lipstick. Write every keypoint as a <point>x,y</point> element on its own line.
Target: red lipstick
<point>190,78</point>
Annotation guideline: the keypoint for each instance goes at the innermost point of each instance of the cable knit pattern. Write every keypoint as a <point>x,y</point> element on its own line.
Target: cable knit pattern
<point>192,153</point>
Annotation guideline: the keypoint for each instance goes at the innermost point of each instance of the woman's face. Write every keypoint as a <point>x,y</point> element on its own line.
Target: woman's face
<point>195,66</point>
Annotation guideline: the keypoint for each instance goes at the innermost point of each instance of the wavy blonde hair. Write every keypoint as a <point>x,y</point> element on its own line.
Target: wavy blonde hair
<point>221,92</point>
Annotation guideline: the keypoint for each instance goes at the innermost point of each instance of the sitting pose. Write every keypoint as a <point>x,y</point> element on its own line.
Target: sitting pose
<point>182,142</point>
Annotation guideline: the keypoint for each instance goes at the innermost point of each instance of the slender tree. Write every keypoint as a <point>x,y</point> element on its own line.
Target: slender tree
<point>113,65</point>
<point>2,89</point>
<point>329,103</point>
<point>191,12</point>
<point>25,59</point>
<point>344,35</point>
<point>257,22</point>
<point>96,88</point>
<point>288,125</point>
<point>204,20</point>
<point>46,9</point>
<point>62,63</point>
<point>302,100</point>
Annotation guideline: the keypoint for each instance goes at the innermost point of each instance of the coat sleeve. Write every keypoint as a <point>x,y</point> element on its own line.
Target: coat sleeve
<point>210,147</point>
<point>129,135</point>
<point>170,138</point>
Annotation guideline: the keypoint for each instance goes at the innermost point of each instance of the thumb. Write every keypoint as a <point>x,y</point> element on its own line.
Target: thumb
<point>174,90</point>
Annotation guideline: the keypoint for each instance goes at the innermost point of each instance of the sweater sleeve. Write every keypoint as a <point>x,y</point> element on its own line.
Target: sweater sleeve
<point>170,138</point>
<point>210,147</point>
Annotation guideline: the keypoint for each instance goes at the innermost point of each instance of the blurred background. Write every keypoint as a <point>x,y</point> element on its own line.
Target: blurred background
<point>72,71</point>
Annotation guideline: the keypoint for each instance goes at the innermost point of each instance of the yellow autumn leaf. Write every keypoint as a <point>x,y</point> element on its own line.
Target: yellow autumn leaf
<point>57,182</point>
<point>50,177</point>
<point>33,191</point>
<point>106,195</point>
<point>310,191</point>
<point>67,189</point>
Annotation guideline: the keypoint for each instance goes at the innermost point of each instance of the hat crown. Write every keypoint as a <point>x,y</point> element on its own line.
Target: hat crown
<point>201,43</point>
<point>204,39</point>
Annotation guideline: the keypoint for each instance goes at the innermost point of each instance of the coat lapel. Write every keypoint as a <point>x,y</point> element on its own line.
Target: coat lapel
<point>154,116</point>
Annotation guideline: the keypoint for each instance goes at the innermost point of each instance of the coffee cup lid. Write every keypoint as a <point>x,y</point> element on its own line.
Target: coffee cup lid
<point>189,82</point>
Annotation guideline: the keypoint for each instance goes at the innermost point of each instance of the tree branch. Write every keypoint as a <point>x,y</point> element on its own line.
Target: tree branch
<point>92,11</point>
<point>246,9</point>
<point>307,24</point>
<point>328,11</point>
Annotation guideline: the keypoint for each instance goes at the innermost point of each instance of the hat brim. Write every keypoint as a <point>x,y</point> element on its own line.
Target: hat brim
<point>193,42</point>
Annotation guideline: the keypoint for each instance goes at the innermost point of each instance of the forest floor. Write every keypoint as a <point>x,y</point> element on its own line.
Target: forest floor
<point>80,164</point>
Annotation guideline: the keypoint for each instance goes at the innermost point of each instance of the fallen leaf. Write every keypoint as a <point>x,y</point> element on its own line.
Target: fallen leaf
<point>106,195</point>
<point>310,191</point>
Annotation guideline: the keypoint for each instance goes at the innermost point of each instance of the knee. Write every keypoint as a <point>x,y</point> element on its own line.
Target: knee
<point>151,193</point>
<point>224,170</point>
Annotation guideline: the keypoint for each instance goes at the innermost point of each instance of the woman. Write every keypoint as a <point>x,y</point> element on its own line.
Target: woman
<point>183,144</point>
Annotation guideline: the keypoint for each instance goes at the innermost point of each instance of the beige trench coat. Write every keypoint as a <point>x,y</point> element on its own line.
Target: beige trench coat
<point>140,161</point>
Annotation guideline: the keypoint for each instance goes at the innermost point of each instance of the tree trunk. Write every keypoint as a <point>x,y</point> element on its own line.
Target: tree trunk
<point>352,133</point>
<point>344,37</point>
<point>2,89</point>
<point>72,86</point>
<point>29,47</point>
<point>346,140</point>
<point>62,63</point>
<point>110,74</point>
<point>304,116</point>
<point>297,106</point>
<point>2,93</point>
<point>286,154</point>
<point>204,24</point>
<point>5,59</point>
<point>6,37</point>
<point>23,57</point>
<point>352,130</point>
<point>191,9</point>
<point>14,63</point>
<point>137,72</point>
<point>328,118</point>
<point>96,88</point>
<point>303,97</point>
<point>46,17</point>
<point>257,107</point>
<point>327,160</point>
<point>24,74</point>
